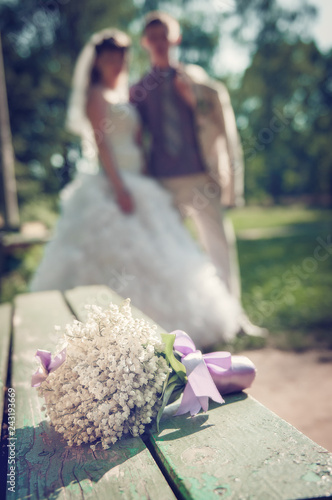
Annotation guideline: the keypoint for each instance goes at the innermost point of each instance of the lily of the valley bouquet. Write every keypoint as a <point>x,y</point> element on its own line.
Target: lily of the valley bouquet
<point>114,375</point>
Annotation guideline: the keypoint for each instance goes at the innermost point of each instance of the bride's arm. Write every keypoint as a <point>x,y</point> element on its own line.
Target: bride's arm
<point>97,113</point>
<point>139,142</point>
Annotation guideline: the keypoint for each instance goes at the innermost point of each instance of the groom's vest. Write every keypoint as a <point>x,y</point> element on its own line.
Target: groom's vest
<point>215,143</point>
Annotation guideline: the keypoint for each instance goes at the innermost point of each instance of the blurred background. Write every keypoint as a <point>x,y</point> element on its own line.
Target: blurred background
<point>275,56</point>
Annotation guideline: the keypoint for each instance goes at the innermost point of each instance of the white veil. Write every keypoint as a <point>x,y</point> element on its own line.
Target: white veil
<point>77,121</point>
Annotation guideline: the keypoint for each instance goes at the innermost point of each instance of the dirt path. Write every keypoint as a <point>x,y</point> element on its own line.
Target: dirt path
<point>298,388</point>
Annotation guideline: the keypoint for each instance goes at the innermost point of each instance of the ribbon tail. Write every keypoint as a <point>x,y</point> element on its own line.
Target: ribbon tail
<point>189,402</point>
<point>203,385</point>
<point>200,387</point>
<point>204,402</point>
<point>38,377</point>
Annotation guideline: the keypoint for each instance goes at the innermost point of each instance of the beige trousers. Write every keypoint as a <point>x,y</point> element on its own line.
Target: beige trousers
<point>198,196</point>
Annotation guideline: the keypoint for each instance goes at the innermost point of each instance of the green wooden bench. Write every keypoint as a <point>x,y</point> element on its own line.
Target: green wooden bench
<point>239,450</point>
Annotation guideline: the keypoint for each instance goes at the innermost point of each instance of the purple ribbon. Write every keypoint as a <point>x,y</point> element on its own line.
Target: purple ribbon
<point>200,386</point>
<point>48,365</point>
<point>210,375</point>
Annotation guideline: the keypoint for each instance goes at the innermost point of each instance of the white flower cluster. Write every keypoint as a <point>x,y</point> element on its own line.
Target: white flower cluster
<point>112,380</point>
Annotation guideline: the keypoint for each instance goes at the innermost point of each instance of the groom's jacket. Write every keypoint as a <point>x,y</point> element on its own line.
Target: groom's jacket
<point>215,128</point>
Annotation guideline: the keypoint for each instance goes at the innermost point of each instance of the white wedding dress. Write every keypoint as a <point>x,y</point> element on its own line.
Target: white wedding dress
<point>148,256</point>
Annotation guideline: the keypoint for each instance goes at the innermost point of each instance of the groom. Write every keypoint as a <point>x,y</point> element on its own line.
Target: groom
<point>195,151</point>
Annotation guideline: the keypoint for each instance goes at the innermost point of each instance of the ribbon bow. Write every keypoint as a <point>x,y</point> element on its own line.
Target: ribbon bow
<point>200,386</point>
<point>48,365</point>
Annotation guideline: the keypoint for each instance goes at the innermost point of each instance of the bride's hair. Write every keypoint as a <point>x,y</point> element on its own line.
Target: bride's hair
<point>85,75</point>
<point>107,44</point>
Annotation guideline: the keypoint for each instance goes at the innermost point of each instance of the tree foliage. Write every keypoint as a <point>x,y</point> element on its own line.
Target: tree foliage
<point>41,41</point>
<point>284,112</point>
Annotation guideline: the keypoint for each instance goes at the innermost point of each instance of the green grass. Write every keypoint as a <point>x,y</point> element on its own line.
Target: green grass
<point>267,217</point>
<point>284,286</point>
<point>286,289</point>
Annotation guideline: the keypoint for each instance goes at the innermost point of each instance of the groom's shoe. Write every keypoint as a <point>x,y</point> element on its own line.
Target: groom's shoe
<point>248,329</point>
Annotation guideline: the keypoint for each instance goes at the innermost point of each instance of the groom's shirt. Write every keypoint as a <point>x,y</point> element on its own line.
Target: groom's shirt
<point>170,121</point>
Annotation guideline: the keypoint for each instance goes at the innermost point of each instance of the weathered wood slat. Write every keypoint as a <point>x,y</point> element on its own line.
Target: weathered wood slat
<point>99,295</point>
<point>241,450</point>
<point>46,467</point>
<point>5,326</point>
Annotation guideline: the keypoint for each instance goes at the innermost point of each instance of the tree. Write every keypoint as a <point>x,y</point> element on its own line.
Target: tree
<point>285,107</point>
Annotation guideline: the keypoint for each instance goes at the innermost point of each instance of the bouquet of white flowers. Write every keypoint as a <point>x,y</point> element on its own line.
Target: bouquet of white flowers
<point>114,375</point>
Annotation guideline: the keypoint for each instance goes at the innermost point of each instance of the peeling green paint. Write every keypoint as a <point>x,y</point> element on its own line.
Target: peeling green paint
<point>311,477</point>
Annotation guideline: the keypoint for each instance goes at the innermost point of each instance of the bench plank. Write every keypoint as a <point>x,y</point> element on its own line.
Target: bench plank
<point>241,450</point>
<point>5,322</point>
<point>46,467</point>
<point>238,450</point>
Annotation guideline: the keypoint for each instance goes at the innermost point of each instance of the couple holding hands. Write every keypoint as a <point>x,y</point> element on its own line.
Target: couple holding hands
<point>121,220</point>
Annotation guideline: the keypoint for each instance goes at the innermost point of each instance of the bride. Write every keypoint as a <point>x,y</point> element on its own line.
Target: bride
<point>117,226</point>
